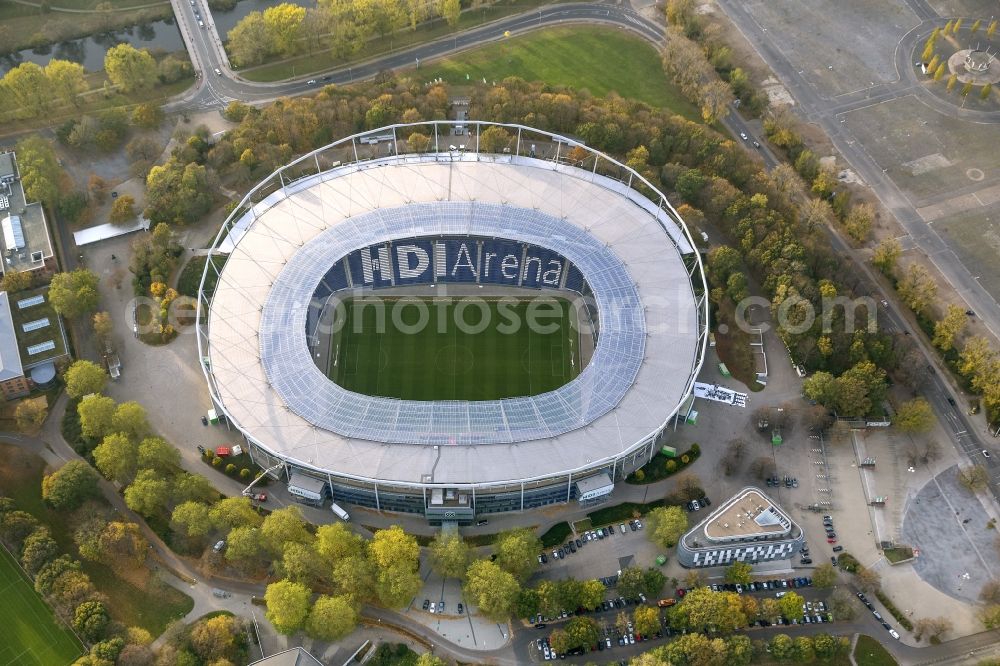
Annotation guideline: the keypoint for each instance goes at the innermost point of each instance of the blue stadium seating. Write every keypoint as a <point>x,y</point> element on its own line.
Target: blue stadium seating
<point>574,279</point>
<point>456,260</point>
<point>416,257</point>
<point>501,262</point>
<point>371,267</point>
<point>464,259</point>
<point>541,268</point>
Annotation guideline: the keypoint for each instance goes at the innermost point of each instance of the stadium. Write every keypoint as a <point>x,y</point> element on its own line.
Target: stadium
<point>450,331</point>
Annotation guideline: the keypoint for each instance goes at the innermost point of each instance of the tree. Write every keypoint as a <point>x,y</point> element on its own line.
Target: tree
<point>123,210</point>
<point>517,552</point>
<point>284,25</point>
<point>14,281</point>
<point>122,544</point>
<point>331,618</point>
<point>396,585</point>
<point>90,620</point>
<point>886,255</point>
<point>74,294</point>
<point>30,90</point>
<point>492,140</point>
<point>859,221</point>
<point>843,604</point>
<point>38,549</point>
<point>763,467</point>
<point>450,554</point>
<point>130,419</point>
<point>156,453</point>
<point>631,582</point>
<point>66,80</point>
<point>96,414</point>
<point>237,512</point>
<point>15,527</point>
<point>427,659</point>
<point>689,486</point>
<point>591,593</point>
<point>418,142</point>
<point>84,377</point>
<point>914,416</point>
<point>450,11</point>
<point>31,413</point>
<point>249,40</point>
<point>287,605</point>
<point>989,593</point>
<point>215,638</point>
<point>715,97</point>
<point>149,494</point>
<point>130,68</point>
<point>791,605</point>
<point>300,563</point>
<point>244,547</point>
<point>282,527</point>
<point>824,576</point>
<point>191,519</point>
<point>702,607</point>
<point>990,616</point>
<point>666,525</point>
<point>647,619</point>
<point>802,650</point>
<point>738,572</point>
<point>966,89</point>
<point>580,631</point>
<point>868,580</point>
<point>931,628</point>
<point>393,547</point>
<point>494,590</point>
<point>177,193</point>
<point>948,328</point>
<point>985,91</point>
<point>974,478</point>
<point>939,72</point>
<point>117,458</point>
<point>952,80</point>
<point>102,326</point>
<point>40,172</point>
<point>735,450</point>
<point>70,485</point>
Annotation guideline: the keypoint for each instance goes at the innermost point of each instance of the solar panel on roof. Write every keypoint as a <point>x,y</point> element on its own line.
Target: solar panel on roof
<point>28,302</point>
<point>41,347</point>
<point>35,325</point>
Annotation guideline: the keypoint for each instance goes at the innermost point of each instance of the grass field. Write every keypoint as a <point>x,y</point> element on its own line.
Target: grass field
<point>31,633</point>
<point>600,60</point>
<point>481,361</point>
<point>869,652</point>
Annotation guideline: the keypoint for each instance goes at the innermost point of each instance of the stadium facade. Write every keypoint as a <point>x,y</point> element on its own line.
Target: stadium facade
<point>545,215</point>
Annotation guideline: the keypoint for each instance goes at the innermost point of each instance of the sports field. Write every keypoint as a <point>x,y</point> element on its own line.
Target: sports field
<point>488,358</point>
<point>29,633</point>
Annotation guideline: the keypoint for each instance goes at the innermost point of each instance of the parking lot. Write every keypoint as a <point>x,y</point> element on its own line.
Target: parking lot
<point>616,631</point>
<point>600,556</point>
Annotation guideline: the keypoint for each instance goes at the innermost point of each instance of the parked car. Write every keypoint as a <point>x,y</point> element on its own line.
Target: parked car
<point>837,549</point>
<point>219,546</point>
<point>427,604</point>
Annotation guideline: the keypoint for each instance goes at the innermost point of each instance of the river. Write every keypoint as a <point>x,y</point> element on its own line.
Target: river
<point>157,36</point>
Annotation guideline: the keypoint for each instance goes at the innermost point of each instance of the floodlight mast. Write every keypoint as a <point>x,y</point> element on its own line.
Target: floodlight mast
<point>247,490</point>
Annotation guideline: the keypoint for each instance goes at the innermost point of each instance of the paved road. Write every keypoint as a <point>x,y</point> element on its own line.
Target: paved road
<point>216,90</point>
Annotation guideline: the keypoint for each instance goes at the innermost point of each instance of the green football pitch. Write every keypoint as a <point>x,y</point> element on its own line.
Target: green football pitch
<point>31,634</point>
<point>488,358</point>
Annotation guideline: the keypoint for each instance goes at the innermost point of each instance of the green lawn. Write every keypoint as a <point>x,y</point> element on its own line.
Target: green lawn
<point>485,360</point>
<point>31,632</point>
<point>869,652</point>
<point>597,59</point>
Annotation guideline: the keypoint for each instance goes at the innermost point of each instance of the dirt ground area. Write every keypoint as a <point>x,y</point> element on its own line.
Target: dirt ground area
<point>859,54</point>
<point>970,8</point>
<point>926,154</point>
